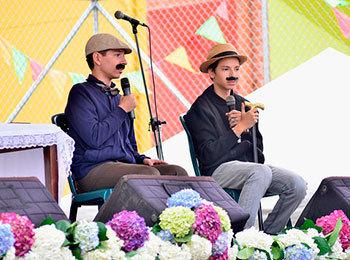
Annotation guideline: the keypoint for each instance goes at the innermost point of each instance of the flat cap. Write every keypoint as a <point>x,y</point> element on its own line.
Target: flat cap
<point>105,41</point>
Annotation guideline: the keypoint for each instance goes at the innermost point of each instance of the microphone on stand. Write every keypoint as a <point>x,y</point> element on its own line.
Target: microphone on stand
<point>124,82</point>
<point>133,21</point>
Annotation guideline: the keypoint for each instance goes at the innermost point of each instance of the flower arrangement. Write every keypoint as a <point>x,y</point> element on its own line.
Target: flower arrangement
<point>196,225</point>
<point>7,239</point>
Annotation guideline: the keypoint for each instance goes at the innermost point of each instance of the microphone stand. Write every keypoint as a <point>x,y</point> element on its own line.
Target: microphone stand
<point>255,156</point>
<point>154,122</point>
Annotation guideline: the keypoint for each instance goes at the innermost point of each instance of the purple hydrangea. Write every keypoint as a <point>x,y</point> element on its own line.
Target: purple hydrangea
<point>165,235</point>
<point>207,222</point>
<point>187,198</point>
<point>6,238</point>
<point>131,228</point>
<point>221,244</point>
<point>298,252</point>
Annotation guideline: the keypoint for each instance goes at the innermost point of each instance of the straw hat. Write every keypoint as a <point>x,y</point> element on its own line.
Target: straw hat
<point>218,52</point>
<point>105,41</point>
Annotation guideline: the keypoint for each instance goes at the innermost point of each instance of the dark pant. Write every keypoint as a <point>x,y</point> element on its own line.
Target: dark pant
<point>108,174</point>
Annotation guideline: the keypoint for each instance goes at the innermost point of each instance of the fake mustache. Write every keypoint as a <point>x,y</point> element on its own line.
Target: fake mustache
<point>231,78</point>
<point>120,66</point>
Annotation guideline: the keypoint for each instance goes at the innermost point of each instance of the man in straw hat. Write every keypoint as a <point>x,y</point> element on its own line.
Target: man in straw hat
<point>105,145</point>
<point>223,143</point>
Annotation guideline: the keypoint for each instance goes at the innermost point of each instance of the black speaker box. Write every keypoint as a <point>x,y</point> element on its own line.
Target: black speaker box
<point>147,195</point>
<point>28,196</point>
<point>332,194</point>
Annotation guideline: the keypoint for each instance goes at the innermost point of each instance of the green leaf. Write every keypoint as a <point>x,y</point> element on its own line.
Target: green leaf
<point>156,228</point>
<point>77,253</point>
<point>102,231</point>
<point>245,253</point>
<point>65,243</point>
<point>184,239</point>
<point>47,221</point>
<point>277,252</point>
<point>322,245</point>
<point>335,233</point>
<point>308,223</point>
<point>130,254</point>
<point>62,225</point>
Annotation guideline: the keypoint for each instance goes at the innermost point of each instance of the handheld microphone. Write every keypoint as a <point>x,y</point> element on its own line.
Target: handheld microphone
<point>133,21</point>
<point>124,82</point>
<point>231,102</point>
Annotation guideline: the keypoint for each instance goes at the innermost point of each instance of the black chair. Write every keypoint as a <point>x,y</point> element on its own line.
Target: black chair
<point>234,193</point>
<point>96,197</point>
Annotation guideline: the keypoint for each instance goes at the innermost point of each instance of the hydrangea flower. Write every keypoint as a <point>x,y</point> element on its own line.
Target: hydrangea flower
<point>328,223</point>
<point>298,252</point>
<point>174,252</point>
<point>200,247</point>
<point>232,252</point>
<point>22,229</point>
<point>131,228</point>
<point>259,255</point>
<point>254,238</point>
<point>151,248</point>
<point>186,198</point>
<point>296,237</point>
<point>224,218</point>
<point>86,233</point>
<point>220,246</point>
<point>178,220</point>
<point>207,222</point>
<point>110,251</point>
<point>165,235</point>
<point>6,238</point>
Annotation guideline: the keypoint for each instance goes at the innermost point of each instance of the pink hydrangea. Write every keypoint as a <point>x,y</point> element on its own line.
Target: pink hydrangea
<point>22,229</point>
<point>131,228</point>
<point>328,223</point>
<point>207,222</point>
<point>224,256</point>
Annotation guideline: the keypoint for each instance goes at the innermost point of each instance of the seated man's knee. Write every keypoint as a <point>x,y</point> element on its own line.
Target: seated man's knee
<point>262,174</point>
<point>147,170</point>
<point>299,187</point>
<point>179,171</point>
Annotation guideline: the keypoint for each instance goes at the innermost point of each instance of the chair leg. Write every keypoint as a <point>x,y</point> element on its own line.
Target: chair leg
<point>73,212</point>
<point>260,219</point>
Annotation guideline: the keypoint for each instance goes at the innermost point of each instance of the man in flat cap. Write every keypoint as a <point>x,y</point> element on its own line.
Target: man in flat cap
<point>105,145</point>
<point>223,144</point>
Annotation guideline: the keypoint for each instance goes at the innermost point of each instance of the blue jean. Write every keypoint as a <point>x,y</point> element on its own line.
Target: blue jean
<point>255,180</point>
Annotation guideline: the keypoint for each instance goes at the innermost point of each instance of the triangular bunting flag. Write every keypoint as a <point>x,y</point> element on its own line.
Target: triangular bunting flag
<point>5,52</point>
<point>58,80</point>
<point>343,21</point>
<point>344,3</point>
<point>135,78</point>
<point>211,30</point>
<point>335,3</point>
<point>20,62</point>
<point>36,69</point>
<point>180,58</point>
<point>222,10</point>
<point>76,78</point>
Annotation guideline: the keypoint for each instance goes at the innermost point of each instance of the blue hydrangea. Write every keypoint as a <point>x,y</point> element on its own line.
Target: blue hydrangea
<point>165,235</point>
<point>187,198</point>
<point>298,252</point>
<point>220,245</point>
<point>6,238</point>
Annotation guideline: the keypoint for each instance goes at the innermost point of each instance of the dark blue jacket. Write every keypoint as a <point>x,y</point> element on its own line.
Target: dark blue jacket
<point>102,131</point>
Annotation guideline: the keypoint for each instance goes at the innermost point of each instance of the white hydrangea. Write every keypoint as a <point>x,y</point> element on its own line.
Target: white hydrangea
<point>259,255</point>
<point>86,233</point>
<point>199,247</point>
<point>48,244</point>
<point>297,237</point>
<point>254,238</point>
<point>150,249</point>
<point>232,252</point>
<point>110,251</point>
<point>169,251</point>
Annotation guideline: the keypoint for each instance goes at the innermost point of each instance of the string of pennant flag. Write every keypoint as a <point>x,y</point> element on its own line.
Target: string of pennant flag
<point>342,19</point>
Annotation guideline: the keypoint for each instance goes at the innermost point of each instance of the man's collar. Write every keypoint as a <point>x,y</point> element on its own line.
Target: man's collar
<point>112,89</point>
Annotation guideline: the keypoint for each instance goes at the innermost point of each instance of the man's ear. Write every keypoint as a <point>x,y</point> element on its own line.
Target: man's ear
<point>211,73</point>
<point>96,58</point>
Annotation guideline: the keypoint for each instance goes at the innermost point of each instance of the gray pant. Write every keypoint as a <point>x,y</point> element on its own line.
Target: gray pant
<point>256,180</point>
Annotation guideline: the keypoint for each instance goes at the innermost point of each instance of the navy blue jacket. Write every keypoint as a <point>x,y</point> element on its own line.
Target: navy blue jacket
<point>213,140</point>
<point>102,131</point>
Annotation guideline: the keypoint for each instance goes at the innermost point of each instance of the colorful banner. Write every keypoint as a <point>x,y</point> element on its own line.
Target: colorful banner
<point>211,30</point>
<point>76,77</point>
<point>343,22</point>
<point>179,57</point>
<point>36,69</point>
<point>222,10</point>
<point>20,63</point>
<point>136,80</point>
<point>5,52</point>
<point>58,80</point>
